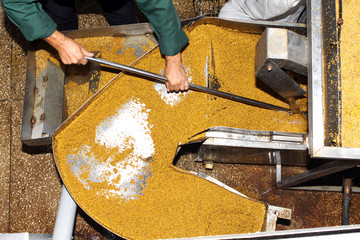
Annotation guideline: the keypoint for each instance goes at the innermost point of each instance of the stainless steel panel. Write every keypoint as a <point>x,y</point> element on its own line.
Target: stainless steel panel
<point>233,145</point>
<point>315,77</point>
<point>53,99</point>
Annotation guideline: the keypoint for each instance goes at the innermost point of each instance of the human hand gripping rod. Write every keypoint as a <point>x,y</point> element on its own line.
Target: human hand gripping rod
<point>191,86</point>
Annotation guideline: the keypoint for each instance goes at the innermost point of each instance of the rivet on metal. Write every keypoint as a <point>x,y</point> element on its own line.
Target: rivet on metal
<point>33,120</point>
<point>269,67</point>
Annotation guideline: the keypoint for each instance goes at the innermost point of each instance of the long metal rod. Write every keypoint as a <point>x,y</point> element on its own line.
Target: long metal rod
<point>317,172</point>
<point>191,86</point>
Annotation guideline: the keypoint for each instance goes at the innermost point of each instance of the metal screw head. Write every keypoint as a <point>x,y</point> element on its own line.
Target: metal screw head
<point>33,121</point>
<point>95,237</point>
<point>340,22</point>
<point>269,67</point>
<point>209,165</point>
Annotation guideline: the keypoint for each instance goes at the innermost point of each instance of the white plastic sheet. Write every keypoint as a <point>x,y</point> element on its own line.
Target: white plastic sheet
<point>272,10</point>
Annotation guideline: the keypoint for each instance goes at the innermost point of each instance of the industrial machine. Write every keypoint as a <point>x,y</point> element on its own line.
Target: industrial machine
<point>284,47</point>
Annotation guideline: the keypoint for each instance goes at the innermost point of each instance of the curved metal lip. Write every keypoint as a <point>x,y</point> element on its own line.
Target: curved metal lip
<point>258,26</point>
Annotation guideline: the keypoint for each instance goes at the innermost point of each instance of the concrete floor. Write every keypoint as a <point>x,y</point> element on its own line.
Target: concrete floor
<point>30,186</point>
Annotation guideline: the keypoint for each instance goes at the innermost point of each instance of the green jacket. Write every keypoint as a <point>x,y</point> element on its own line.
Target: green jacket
<point>35,23</point>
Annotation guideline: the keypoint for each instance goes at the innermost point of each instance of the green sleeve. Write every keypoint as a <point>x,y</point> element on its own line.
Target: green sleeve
<point>30,18</point>
<point>165,21</point>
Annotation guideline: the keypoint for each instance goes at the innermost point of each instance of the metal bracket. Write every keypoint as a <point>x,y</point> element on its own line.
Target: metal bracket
<point>323,170</point>
<point>278,49</point>
<point>277,158</point>
<point>273,214</point>
<point>40,117</point>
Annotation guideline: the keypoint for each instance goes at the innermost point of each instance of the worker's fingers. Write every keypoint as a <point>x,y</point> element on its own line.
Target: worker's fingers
<point>174,83</point>
<point>171,87</point>
<point>175,73</point>
<point>184,85</point>
<point>70,51</point>
<point>85,53</point>
<point>73,52</point>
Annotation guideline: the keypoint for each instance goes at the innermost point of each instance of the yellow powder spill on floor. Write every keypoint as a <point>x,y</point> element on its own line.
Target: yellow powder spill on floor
<point>350,71</point>
<point>174,203</point>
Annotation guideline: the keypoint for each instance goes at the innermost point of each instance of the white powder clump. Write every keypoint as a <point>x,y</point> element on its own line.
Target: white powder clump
<point>127,129</point>
<point>170,98</point>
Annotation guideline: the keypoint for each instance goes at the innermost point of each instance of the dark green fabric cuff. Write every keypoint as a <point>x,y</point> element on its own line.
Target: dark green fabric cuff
<point>38,27</point>
<point>173,44</point>
<point>165,21</point>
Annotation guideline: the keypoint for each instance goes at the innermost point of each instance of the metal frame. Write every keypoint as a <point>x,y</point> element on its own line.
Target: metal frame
<point>315,76</point>
<point>278,49</point>
<point>318,148</point>
<point>323,170</point>
<point>233,145</point>
<point>320,144</point>
<point>326,188</point>
<point>324,233</point>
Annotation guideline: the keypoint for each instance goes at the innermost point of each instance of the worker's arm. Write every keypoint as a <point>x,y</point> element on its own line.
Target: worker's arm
<point>30,18</point>
<point>165,21</point>
<point>35,23</point>
<point>70,52</point>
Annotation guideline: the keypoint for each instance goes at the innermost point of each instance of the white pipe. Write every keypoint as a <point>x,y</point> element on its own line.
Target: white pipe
<point>65,218</point>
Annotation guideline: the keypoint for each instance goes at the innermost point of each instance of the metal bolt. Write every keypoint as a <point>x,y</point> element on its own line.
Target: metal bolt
<point>340,22</point>
<point>33,121</point>
<point>42,117</point>
<point>45,79</point>
<point>95,237</point>
<point>286,214</point>
<point>269,67</point>
<point>347,185</point>
<point>209,165</point>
